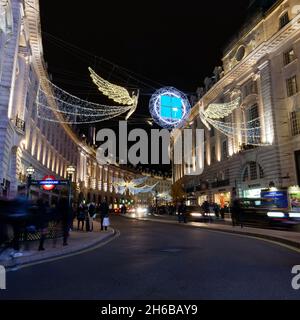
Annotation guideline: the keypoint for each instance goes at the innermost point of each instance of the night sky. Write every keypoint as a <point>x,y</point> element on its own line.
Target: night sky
<point>163,43</point>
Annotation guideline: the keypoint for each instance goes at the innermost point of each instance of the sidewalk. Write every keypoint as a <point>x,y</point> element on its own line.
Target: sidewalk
<point>288,238</point>
<point>77,242</point>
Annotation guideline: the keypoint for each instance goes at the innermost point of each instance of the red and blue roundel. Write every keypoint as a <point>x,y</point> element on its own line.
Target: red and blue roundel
<point>48,187</point>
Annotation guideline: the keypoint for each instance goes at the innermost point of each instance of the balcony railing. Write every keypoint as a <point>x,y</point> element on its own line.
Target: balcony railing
<point>220,184</point>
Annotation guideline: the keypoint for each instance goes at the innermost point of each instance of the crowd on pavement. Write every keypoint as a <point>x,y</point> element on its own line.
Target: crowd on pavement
<point>208,209</point>
<point>22,220</point>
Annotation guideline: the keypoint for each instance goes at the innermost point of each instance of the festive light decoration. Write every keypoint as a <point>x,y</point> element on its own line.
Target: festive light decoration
<point>249,131</point>
<point>165,196</point>
<point>169,108</point>
<point>112,91</point>
<point>56,105</point>
<point>116,93</point>
<point>221,110</point>
<point>134,186</point>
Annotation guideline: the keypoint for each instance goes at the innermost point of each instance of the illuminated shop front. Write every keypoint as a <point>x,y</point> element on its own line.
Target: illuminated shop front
<point>202,199</point>
<point>252,193</point>
<point>223,199</point>
<point>294,198</point>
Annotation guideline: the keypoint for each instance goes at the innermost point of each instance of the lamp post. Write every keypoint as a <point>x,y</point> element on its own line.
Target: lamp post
<point>30,171</point>
<point>70,171</point>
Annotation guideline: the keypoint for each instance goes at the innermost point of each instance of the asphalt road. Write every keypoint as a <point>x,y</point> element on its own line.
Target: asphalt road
<point>159,261</point>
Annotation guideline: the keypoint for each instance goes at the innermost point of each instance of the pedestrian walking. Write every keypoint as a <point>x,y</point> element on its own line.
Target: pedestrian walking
<point>182,211</point>
<point>42,222</point>
<point>80,217</point>
<point>217,210</point>
<point>104,215</point>
<point>66,219</point>
<point>236,214</point>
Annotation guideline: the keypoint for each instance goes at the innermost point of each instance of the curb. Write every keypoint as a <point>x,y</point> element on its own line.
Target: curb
<point>278,240</point>
<point>12,265</point>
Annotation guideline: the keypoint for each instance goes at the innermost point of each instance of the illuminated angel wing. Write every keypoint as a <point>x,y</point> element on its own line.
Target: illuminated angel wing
<point>221,110</point>
<point>112,91</point>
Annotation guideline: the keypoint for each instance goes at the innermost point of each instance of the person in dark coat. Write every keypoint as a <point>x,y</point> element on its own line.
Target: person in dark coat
<point>66,218</point>
<point>80,217</point>
<point>205,207</point>
<point>182,211</point>
<point>236,213</point>
<point>42,222</point>
<point>104,213</point>
<point>123,209</point>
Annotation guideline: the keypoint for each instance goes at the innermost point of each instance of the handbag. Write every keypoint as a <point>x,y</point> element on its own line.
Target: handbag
<point>106,222</point>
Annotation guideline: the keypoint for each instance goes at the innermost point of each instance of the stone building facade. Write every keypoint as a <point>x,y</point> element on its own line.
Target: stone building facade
<point>25,139</point>
<point>263,64</point>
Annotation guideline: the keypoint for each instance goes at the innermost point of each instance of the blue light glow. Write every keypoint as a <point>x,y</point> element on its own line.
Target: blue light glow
<point>170,107</point>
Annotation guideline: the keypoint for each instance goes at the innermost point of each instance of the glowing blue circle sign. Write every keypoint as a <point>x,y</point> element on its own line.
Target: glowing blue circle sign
<point>169,108</point>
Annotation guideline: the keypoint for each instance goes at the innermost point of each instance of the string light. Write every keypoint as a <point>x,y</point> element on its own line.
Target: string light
<point>249,131</point>
<point>221,110</point>
<point>134,186</point>
<point>56,105</point>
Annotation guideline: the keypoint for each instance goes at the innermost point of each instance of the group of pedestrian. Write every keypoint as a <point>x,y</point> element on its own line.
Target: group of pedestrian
<point>61,216</point>
<point>87,213</point>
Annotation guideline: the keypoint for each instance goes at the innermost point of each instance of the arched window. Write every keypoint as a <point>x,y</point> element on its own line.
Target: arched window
<point>252,171</point>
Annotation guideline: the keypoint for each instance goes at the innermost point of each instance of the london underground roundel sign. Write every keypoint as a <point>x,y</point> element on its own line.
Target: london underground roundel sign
<point>169,108</point>
<point>48,187</point>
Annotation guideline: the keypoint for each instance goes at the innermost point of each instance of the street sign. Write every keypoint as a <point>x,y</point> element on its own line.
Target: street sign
<point>49,183</point>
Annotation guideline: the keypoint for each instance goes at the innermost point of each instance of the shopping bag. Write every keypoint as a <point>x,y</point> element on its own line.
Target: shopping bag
<point>106,222</point>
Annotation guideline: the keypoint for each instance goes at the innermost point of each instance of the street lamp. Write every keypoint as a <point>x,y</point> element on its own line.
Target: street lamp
<point>30,171</point>
<point>70,171</point>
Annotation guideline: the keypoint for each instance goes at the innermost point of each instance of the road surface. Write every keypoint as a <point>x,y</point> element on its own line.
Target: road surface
<point>160,261</point>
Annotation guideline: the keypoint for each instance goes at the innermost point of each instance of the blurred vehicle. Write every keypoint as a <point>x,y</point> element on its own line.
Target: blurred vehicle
<point>131,210</point>
<point>257,212</point>
<point>196,213</point>
<point>117,211</point>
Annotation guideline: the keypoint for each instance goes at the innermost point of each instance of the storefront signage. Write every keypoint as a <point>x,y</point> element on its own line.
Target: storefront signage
<point>275,199</point>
